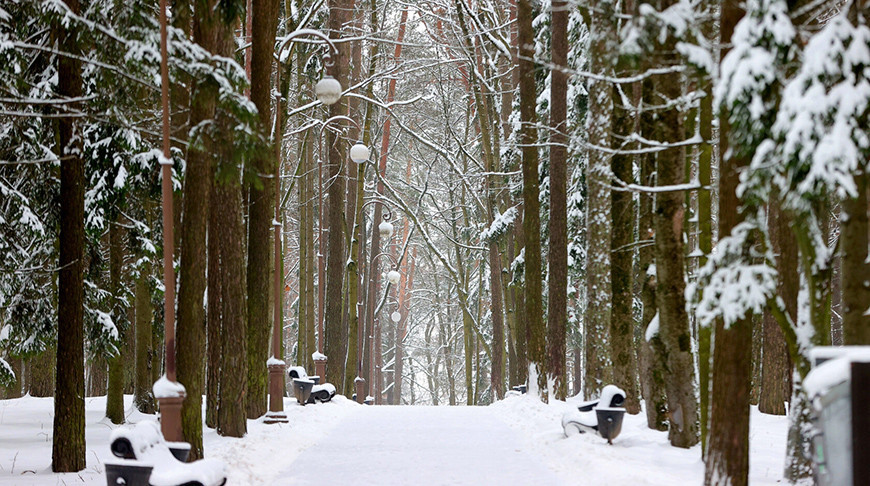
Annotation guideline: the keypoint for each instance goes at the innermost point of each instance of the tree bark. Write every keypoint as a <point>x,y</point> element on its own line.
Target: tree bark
<point>670,272</point>
<point>214,319</point>
<point>142,396</point>
<point>705,244</point>
<point>598,286</point>
<point>855,269</point>
<point>190,330</point>
<point>776,368</point>
<point>335,345</point>
<point>557,304</point>
<point>115,392</point>
<point>232,396</point>
<point>622,348</point>
<point>68,439</point>
<point>306,340</point>
<point>727,461</point>
<point>537,352</point>
<point>261,197</point>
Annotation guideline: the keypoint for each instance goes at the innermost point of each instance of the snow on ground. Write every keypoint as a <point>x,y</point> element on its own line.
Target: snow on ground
<point>26,431</point>
<point>431,446</point>
<point>532,438</point>
<point>639,456</point>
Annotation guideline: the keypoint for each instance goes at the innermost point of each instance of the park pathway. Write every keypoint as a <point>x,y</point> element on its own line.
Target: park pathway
<point>384,445</point>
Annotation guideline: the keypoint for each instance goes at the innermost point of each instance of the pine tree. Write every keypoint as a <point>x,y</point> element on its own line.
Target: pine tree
<point>68,439</point>
<point>557,312</point>
<point>532,293</point>
<point>261,194</point>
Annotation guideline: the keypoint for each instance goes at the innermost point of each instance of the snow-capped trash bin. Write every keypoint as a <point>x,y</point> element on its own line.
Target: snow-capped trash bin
<point>318,393</point>
<point>128,473</point>
<point>302,389</point>
<point>839,389</point>
<point>609,422</point>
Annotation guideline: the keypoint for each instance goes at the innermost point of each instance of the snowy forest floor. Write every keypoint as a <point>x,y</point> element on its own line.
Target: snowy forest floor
<point>515,441</point>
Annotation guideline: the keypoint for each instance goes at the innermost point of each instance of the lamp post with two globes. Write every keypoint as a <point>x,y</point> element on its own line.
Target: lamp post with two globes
<point>358,153</point>
<point>328,91</point>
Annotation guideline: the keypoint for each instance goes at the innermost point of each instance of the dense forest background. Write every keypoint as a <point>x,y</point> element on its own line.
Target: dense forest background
<point>667,196</point>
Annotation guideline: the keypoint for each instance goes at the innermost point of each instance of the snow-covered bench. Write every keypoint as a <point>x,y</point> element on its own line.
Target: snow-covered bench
<point>602,416</point>
<point>308,389</point>
<point>146,459</point>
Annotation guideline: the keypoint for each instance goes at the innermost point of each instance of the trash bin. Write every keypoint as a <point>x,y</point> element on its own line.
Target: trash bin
<point>839,388</point>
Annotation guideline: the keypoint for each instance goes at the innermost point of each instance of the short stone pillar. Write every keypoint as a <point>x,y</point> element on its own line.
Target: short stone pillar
<point>359,388</point>
<point>170,418</point>
<point>320,365</point>
<point>276,393</point>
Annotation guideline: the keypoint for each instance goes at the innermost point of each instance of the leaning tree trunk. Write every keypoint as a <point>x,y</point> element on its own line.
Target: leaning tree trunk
<point>261,194</point>
<point>68,439</point>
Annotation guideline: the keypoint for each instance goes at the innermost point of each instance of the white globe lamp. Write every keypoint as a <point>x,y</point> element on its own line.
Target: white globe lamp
<point>393,277</point>
<point>359,153</point>
<point>385,229</point>
<point>328,90</point>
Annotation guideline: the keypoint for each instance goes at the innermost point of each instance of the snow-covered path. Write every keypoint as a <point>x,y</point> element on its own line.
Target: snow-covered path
<point>419,445</point>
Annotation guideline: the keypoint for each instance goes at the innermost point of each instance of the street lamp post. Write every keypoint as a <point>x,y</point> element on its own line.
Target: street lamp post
<point>328,91</point>
<point>168,392</point>
<point>393,277</point>
<point>358,153</point>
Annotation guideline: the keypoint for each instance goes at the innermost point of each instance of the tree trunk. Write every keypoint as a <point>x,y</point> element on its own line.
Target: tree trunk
<point>261,194</point>
<point>622,348</point>
<point>776,368</point>
<point>705,244</point>
<point>143,399</point>
<point>335,345</point>
<point>855,269</point>
<point>598,123</point>
<point>230,231</point>
<point>115,392</point>
<point>190,330</point>
<point>13,390</point>
<point>214,320</point>
<point>306,340</point>
<point>233,376</point>
<point>557,304</point>
<point>537,352</point>
<point>40,374</point>
<point>727,461</point>
<point>670,274</point>
<point>68,438</point>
